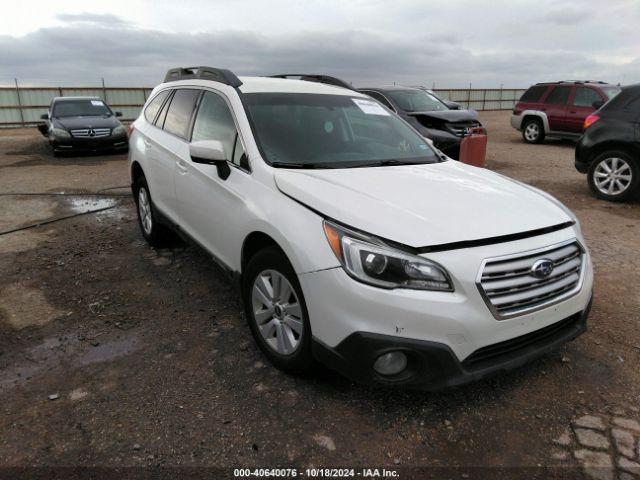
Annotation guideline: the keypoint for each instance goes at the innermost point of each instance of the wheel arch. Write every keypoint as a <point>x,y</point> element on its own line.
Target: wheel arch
<point>612,145</point>
<point>537,115</point>
<point>136,171</point>
<point>253,243</point>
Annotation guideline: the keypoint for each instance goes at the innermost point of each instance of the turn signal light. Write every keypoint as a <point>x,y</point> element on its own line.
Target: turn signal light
<point>590,120</point>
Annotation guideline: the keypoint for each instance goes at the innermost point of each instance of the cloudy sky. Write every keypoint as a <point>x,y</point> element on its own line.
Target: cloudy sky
<point>450,43</point>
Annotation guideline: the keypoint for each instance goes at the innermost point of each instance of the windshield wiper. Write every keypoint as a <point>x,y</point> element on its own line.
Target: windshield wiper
<point>299,165</point>
<point>391,163</point>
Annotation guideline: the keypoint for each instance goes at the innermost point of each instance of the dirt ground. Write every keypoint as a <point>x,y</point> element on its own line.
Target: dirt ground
<point>114,354</point>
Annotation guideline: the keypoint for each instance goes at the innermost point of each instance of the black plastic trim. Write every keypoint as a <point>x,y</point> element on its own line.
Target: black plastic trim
<point>432,365</point>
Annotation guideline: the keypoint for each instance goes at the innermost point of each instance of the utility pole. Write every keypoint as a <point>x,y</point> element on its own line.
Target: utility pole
<point>15,80</point>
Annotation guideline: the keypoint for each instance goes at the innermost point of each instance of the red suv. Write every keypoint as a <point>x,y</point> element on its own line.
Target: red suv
<point>559,109</point>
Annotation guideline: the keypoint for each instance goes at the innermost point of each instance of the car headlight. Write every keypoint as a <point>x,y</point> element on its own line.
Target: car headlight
<point>371,261</point>
<point>61,133</point>
<point>119,130</point>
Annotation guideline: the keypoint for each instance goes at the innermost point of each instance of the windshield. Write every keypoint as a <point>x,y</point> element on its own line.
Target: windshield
<point>80,108</point>
<point>611,92</point>
<point>416,101</point>
<point>304,130</point>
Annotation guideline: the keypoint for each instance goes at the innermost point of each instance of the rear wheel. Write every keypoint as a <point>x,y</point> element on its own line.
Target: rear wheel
<point>276,311</point>
<point>614,176</point>
<point>155,234</point>
<point>533,131</point>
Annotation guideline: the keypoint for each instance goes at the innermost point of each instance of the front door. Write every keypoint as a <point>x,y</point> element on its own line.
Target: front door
<point>211,208</point>
<point>581,106</point>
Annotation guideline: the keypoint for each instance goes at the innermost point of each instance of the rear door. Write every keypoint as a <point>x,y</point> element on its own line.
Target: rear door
<point>555,105</point>
<point>581,106</point>
<point>166,144</point>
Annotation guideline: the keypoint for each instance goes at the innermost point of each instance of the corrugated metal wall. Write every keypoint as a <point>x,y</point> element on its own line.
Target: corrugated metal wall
<point>23,106</point>
<point>25,109</point>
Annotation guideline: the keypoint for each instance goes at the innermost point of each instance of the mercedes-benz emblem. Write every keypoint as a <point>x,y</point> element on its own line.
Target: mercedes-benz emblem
<point>91,132</point>
<point>542,268</point>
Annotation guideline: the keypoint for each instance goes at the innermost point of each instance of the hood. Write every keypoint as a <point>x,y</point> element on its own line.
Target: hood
<point>448,115</point>
<point>423,205</point>
<point>72,123</point>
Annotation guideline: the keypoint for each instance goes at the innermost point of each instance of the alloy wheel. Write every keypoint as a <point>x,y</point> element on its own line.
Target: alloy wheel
<point>144,210</point>
<point>277,312</point>
<point>532,131</point>
<point>612,176</point>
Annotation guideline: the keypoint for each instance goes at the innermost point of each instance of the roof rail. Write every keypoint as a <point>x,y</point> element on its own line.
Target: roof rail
<point>573,81</point>
<point>221,75</point>
<point>327,79</point>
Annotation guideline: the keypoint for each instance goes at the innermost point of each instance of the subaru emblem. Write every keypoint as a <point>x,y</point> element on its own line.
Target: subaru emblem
<point>542,268</point>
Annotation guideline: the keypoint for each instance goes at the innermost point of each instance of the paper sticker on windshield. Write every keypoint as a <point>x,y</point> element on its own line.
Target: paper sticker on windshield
<point>370,107</point>
<point>97,103</point>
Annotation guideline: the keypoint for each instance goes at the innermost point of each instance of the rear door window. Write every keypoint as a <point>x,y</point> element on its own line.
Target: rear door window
<point>585,97</point>
<point>534,94</point>
<point>154,106</point>
<point>178,117</point>
<point>558,96</point>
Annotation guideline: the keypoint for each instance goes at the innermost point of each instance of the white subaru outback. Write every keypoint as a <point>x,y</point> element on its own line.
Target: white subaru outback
<point>351,239</point>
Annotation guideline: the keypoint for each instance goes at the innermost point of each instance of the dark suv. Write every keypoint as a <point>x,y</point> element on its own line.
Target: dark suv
<point>559,109</point>
<point>609,150</point>
<point>441,122</point>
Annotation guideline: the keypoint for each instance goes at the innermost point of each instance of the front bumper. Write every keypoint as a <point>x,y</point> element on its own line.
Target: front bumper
<point>459,323</point>
<point>112,142</point>
<point>433,365</point>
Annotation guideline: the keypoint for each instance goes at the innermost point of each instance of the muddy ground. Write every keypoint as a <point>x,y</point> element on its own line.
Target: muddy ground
<point>115,354</point>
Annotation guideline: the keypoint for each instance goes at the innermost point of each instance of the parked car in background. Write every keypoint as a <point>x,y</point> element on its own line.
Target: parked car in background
<point>353,241</point>
<point>558,109</point>
<point>609,150</point>
<point>75,124</point>
<point>444,124</point>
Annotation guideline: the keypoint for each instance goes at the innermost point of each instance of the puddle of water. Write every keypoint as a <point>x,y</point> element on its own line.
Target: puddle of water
<point>56,353</point>
<point>86,204</point>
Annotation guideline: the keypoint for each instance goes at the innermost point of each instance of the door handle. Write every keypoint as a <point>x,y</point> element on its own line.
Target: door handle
<point>573,111</point>
<point>147,143</point>
<point>181,166</point>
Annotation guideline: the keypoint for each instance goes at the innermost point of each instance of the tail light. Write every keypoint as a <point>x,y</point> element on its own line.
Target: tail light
<point>131,128</point>
<point>590,120</point>
<point>517,111</point>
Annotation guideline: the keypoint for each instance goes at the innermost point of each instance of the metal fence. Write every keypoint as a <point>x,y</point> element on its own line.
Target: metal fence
<point>23,106</point>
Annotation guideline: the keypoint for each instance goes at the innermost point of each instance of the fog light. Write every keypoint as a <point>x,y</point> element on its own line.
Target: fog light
<point>390,363</point>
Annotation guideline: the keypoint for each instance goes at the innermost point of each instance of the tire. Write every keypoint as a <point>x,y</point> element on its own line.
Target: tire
<point>155,234</point>
<point>533,131</point>
<point>614,176</point>
<point>283,331</point>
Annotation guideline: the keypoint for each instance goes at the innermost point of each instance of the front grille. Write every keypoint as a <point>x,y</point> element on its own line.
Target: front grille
<point>91,132</point>
<point>510,288</point>
<point>504,351</point>
<point>461,129</point>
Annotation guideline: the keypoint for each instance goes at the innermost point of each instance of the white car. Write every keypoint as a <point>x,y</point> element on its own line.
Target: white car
<point>351,239</point>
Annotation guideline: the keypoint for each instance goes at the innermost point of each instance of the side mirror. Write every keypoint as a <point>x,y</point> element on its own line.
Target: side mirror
<point>452,105</point>
<point>210,152</point>
<point>597,104</point>
<point>44,116</point>
<point>118,114</point>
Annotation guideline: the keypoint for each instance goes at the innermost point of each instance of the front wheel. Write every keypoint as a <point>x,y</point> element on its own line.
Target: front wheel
<point>614,176</point>
<point>155,234</point>
<point>276,311</point>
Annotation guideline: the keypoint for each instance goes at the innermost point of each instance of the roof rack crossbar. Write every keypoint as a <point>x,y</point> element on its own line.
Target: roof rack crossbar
<point>327,79</point>
<point>221,75</point>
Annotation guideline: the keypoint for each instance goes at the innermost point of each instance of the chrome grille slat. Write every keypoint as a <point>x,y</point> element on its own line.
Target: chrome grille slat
<point>460,128</point>
<point>510,288</point>
<point>84,132</point>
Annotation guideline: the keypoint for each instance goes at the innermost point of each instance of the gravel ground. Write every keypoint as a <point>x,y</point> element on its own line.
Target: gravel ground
<point>114,354</point>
